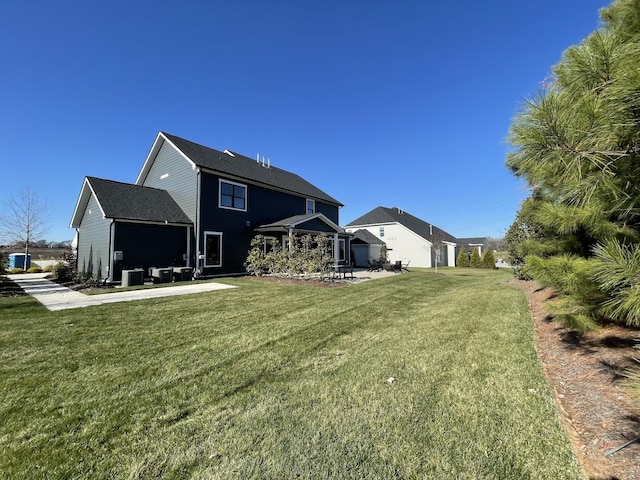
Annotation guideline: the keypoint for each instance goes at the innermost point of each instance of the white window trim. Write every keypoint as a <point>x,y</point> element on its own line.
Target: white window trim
<point>266,241</point>
<point>306,206</point>
<point>246,194</point>
<point>342,249</point>
<point>206,234</point>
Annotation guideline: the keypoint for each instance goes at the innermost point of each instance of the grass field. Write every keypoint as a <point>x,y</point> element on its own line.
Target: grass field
<point>282,381</point>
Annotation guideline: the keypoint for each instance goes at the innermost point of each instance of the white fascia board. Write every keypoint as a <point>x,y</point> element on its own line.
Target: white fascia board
<point>322,217</point>
<point>81,204</point>
<point>153,153</point>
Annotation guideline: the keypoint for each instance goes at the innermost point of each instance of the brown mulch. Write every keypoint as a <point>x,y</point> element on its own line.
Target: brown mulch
<point>9,288</point>
<point>586,373</point>
<point>300,281</point>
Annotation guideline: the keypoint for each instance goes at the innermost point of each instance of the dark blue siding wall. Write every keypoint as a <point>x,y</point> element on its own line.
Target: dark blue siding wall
<point>263,206</point>
<point>329,211</point>
<point>145,246</point>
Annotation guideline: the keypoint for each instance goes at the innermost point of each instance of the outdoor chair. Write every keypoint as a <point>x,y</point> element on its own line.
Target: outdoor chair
<point>405,267</point>
<point>397,267</point>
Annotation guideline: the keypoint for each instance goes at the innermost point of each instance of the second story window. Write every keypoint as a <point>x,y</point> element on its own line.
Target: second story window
<point>311,206</point>
<point>233,195</point>
<point>381,231</point>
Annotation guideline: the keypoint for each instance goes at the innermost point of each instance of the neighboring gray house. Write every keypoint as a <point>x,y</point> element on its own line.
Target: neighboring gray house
<point>198,207</point>
<point>410,239</point>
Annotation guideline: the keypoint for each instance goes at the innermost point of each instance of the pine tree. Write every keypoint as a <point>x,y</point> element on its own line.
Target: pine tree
<point>489,259</point>
<point>463,258</point>
<point>577,145</point>
<point>476,261</point>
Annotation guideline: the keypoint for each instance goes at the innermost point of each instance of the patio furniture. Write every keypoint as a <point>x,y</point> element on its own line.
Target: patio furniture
<point>374,266</point>
<point>405,267</point>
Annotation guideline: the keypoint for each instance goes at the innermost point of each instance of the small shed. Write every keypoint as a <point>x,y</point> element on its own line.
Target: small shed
<point>17,260</point>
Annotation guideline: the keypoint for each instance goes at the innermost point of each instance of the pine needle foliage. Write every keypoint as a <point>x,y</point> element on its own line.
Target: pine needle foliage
<point>577,144</point>
<point>463,258</point>
<point>488,259</point>
<point>475,261</point>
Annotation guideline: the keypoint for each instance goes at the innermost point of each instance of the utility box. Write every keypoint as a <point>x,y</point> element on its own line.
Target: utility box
<point>132,277</point>
<point>17,260</point>
<point>182,274</point>
<point>161,275</point>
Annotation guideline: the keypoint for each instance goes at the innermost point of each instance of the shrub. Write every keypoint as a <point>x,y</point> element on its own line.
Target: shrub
<point>463,258</point>
<point>48,268</point>
<point>34,270</point>
<point>476,261</point>
<point>488,259</point>
<point>62,272</point>
<point>305,255</point>
<point>15,271</point>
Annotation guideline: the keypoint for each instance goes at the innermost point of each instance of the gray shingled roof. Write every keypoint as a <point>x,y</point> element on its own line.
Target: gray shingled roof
<point>126,201</point>
<point>381,215</point>
<point>286,223</point>
<point>365,236</point>
<point>244,167</point>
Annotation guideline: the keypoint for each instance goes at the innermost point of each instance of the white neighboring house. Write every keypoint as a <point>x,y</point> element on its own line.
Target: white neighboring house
<point>408,238</point>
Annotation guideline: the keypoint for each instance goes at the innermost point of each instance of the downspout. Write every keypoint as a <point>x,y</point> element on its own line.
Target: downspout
<point>112,244</point>
<point>336,248</point>
<point>188,246</point>
<point>197,225</point>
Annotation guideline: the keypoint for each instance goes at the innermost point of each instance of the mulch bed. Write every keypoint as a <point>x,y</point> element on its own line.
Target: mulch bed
<point>586,373</point>
<point>9,288</point>
<point>301,281</point>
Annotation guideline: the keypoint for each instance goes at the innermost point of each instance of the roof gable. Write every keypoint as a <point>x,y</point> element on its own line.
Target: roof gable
<point>384,215</point>
<point>365,236</point>
<point>236,165</point>
<point>125,201</point>
<point>297,222</point>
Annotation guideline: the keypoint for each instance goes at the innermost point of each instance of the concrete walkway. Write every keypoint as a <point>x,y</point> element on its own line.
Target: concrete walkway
<point>56,297</point>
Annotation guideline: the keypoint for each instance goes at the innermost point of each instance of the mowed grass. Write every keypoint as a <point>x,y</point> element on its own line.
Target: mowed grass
<point>282,381</point>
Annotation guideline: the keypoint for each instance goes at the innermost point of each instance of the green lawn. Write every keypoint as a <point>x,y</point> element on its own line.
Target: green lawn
<point>280,381</point>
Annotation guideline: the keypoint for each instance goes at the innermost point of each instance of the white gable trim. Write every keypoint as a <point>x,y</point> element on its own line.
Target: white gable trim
<point>322,217</point>
<point>153,153</point>
<point>81,205</point>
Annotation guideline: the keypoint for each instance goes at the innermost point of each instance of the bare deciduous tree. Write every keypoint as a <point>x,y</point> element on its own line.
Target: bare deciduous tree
<point>25,219</point>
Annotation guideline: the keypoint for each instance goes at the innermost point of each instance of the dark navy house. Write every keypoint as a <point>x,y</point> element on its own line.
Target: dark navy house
<point>197,207</point>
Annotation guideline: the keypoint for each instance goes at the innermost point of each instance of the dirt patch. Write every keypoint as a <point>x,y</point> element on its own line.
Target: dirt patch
<point>586,374</point>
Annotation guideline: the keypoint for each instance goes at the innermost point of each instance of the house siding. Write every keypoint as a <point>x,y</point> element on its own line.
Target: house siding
<point>403,244</point>
<point>172,172</point>
<point>145,246</point>
<point>93,245</point>
<point>264,206</point>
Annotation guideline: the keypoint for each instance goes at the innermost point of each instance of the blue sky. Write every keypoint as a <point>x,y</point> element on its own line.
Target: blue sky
<point>379,103</point>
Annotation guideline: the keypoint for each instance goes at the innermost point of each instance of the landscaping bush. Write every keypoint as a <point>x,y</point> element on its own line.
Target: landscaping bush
<point>476,261</point>
<point>34,270</point>
<point>305,255</point>
<point>489,259</point>
<point>463,258</point>
<point>15,271</point>
<point>62,272</point>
